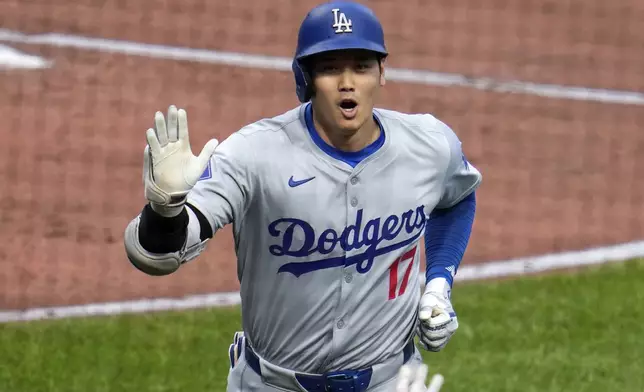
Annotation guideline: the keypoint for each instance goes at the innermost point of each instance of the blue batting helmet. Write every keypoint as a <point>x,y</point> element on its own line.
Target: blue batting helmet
<point>336,25</point>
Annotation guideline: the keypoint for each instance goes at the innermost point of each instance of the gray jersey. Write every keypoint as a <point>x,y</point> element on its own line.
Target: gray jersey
<point>328,255</point>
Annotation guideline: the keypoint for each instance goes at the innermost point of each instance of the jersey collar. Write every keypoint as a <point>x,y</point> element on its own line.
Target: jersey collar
<point>352,158</point>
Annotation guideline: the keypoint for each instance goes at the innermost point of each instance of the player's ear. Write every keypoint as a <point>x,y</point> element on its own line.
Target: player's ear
<point>381,64</point>
<point>311,82</point>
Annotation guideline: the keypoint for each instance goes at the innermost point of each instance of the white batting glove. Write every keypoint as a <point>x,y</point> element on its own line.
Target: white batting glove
<point>170,170</point>
<point>412,379</point>
<point>437,318</point>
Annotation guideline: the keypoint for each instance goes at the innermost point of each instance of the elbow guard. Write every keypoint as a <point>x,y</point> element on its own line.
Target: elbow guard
<point>159,264</point>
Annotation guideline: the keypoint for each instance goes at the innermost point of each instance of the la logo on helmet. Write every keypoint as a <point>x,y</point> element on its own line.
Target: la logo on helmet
<point>341,23</point>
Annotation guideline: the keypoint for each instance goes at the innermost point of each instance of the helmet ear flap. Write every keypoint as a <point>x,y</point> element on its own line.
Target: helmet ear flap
<point>303,83</point>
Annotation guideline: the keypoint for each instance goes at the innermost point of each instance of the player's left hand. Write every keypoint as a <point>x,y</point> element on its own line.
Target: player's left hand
<point>437,318</point>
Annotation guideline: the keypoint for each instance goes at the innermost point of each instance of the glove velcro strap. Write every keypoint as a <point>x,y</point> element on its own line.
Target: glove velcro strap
<point>440,286</point>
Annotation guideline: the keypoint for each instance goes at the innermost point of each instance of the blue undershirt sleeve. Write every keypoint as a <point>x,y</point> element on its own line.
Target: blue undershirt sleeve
<point>446,237</point>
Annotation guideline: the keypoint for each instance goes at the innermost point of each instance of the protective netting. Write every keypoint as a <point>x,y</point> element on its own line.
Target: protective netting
<point>561,163</point>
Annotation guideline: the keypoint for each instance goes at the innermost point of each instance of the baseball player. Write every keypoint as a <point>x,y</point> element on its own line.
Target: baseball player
<point>328,203</point>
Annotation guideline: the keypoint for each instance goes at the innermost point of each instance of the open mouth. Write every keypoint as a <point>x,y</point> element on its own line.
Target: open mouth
<point>348,107</point>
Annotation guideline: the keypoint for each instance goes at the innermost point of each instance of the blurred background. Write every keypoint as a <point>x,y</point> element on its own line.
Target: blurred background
<point>546,95</point>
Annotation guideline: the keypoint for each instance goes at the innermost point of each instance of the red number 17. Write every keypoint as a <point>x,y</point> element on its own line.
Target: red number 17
<point>393,273</point>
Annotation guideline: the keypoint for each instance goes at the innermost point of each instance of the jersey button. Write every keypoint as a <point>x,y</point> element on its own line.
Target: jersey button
<point>354,180</point>
<point>348,277</point>
<point>340,324</point>
<point>354,202</point>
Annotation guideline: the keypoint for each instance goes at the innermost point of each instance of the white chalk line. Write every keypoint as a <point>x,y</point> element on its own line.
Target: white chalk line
<point>498,269</point>
<point>246,60</point>
<point>11,58</point>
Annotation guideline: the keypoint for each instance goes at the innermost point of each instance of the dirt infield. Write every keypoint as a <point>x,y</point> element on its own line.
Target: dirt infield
<point>558,174</point>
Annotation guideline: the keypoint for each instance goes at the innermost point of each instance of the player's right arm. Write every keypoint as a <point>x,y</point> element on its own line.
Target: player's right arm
<point>182,212</point>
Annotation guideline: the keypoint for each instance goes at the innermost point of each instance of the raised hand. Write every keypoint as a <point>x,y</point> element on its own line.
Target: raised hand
<point>170,170</point>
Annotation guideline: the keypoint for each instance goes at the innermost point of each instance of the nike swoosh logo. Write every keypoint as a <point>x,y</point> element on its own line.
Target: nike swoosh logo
<point>292,183</point>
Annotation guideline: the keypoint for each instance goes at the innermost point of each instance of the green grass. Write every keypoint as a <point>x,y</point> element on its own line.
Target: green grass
<point>573,332</point>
